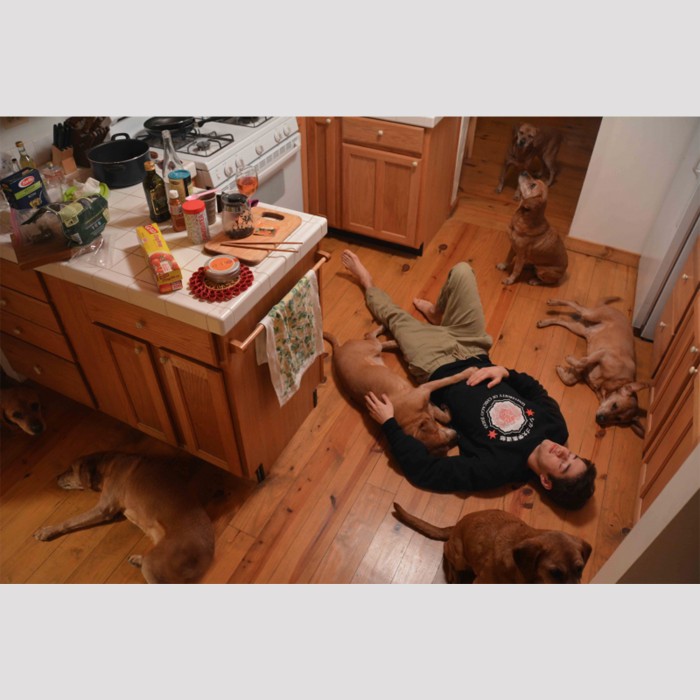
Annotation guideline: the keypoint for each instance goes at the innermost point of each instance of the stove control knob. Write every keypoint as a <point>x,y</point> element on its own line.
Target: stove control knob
<point>278,136</point>
<point>240,163</point>
<point>259,149</point>
<point>228,170</point>
<point>287,130</point>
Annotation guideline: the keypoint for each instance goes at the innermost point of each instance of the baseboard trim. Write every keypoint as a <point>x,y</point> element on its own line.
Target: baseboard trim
<point>596,250</point>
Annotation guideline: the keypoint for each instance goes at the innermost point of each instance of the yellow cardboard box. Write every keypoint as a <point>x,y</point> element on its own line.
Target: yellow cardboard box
<point>165,269</point>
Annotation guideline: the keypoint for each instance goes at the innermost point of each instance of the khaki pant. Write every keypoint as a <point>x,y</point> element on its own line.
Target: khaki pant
<point>425,347</point>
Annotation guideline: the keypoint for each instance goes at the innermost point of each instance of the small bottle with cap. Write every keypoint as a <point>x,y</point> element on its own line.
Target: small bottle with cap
<point>176,215</point>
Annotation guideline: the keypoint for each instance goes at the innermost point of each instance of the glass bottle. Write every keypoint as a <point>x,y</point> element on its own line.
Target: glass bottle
<point>25,160</point>
<point>15,165</point>
<point>171,161</point>
<point>175,206</point>
<point>154,187</point>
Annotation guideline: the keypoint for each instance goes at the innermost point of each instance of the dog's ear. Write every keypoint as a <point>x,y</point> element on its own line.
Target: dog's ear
<point>638,427</point>
<point>629,389</point>
<point>515,133</point>
<point>526,555</point>
<point>586,550</point>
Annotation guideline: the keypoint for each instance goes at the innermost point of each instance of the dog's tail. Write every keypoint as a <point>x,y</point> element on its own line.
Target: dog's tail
<point>432,531</point>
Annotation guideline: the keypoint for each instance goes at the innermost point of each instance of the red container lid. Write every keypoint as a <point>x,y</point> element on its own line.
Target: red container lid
<point>193,206</point>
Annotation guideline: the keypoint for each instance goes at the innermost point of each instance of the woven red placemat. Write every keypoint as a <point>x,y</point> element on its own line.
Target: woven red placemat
<point>206,290</point>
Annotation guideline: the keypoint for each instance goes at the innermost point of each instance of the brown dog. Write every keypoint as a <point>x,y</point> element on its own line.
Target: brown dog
<point>492,546</point>
<point>609,367</point>
<point>149,493</point>
<point>530,143</point>
<point>360,368</point>
<point>21,408</point>
<point>533,242</point>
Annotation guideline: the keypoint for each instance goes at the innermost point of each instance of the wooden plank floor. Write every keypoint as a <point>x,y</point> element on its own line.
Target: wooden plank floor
<point>323,515</point>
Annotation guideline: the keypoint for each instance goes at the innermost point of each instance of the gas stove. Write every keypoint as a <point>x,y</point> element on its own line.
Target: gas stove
<point>219,145</point>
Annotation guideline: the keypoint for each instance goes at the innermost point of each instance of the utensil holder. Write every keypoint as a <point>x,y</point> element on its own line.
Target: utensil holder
<point>63,157</point>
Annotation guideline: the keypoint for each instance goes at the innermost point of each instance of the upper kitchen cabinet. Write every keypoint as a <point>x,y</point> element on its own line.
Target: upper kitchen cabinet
<point>382,179</point>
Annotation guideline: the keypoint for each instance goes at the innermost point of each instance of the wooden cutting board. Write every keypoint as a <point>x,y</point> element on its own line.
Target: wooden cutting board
<point>282,222</point>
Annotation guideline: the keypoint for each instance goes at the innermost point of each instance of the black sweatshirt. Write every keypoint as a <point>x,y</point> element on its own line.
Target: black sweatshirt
<point>497,428</point>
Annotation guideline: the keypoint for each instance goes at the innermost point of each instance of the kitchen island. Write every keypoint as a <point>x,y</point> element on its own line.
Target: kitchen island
<point>96,329</point>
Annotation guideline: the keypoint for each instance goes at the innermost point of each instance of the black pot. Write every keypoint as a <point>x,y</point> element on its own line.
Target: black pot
<point>119,162</point>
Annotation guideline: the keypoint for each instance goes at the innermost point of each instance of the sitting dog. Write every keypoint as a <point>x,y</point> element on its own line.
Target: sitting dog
<point>21,408</point>
<point>149,493</point>
<point>609,367</point>
<point>360,368</point>
<point>530,143</point>
<point>492,546</point>
<point>533,242</point>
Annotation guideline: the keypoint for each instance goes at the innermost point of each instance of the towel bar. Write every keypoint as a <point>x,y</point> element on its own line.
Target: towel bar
<point>238,346</point>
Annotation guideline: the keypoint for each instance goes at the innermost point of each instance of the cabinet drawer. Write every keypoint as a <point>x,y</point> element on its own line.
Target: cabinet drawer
<point>47,369</point>
<point>25,281</point>
<point>662,336</point>
<point>37,335</point>
<point>674,373</point>
<point>158,330</point>
<point>672,446</point>
<point>684,288</point>
<point>34,310</point>
<point>381,134</point>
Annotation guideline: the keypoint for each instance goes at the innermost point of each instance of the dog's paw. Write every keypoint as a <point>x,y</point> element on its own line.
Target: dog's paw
<point>499,189</point>
<point>44,534</point>
<point>502,266</point>
<point>508,281</point>
<point>541,324</point>
<point>534,281</point>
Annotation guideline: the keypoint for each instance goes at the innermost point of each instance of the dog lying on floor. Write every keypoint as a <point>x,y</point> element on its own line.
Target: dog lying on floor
<point>529,144</point>
<point>20,407</point>
<point>492,546</point>
<point>533,242</point>
<point>609,366</point>
<point>360,368</point>
<point>149,493</point>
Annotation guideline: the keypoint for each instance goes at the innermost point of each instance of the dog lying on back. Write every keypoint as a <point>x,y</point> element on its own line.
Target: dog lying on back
<point>529,144</point>
<point>533,242</point>
<point>360,368</point>
<point>21,408</point>
<point>149,493</point>
<point>492,546</point>
<point>609,366</point>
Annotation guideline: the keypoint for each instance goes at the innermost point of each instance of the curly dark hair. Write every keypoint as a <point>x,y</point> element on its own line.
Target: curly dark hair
<point>573,493</point>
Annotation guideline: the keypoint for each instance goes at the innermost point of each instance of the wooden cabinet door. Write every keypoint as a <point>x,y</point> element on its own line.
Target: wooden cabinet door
<point>323,167</point>
<point>380,194</point>
<point>201,410</point>
<point>138,385</point>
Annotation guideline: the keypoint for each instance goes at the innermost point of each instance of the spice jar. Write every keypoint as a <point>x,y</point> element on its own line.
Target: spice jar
<point>222,269</point>
<point>236,216</point>
<point>176,215</point>
<point>180,180</point>
<point>196,221</point>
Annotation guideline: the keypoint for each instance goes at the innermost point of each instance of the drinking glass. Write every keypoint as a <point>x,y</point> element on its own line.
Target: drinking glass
<point>247,180</point>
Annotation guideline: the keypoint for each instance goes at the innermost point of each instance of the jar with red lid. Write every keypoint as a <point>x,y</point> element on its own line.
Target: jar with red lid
<point>195,215</point>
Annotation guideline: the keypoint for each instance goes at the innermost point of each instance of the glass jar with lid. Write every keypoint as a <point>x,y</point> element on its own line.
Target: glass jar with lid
<point>236,215</point>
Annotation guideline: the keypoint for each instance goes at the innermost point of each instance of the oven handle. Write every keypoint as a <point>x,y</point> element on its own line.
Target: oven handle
<point>264,176</point>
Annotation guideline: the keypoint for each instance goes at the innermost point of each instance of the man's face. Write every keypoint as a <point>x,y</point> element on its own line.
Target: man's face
<point>551,459</point>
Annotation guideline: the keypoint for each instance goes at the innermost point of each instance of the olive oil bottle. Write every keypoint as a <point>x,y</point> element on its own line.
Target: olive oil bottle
<point>156,196</point>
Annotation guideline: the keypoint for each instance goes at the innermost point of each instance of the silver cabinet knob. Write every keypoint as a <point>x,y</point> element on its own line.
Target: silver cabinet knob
<point>685,278</point>
<point>693,350</point>
<point>328,120</point>
<point>163,360</point>
<point>380,132</point>
<point>415,164</point>
<point>662,324</point>
<point>3,302</point>
<point>37,369</point>
<point>138,349</point>
<point>693,370</point>
<point>140,324</point>
<point>17,331</point>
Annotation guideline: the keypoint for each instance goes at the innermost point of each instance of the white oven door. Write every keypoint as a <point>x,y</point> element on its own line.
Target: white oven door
<point>279,176</point>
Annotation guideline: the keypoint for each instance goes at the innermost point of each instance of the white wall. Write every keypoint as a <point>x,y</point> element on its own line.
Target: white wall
<point>37,134</point>
<point>631,168</point>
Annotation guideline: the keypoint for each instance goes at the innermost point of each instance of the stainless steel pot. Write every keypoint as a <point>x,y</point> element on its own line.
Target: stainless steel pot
<point>119,162</point>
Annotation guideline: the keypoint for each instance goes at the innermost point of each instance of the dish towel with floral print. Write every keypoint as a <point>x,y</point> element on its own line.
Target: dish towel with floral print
<point>293,336</point>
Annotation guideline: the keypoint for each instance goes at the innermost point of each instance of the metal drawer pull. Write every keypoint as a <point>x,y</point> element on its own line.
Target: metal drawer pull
<point>693,370</point>
<point>243,346</point>
<point>685,278</point>
<point>693,350</point>
<point>37,369</point>
<point>380,132</point>
<point>140,324</point>
<point>163,360</point>
<point>17,331</point>
<point>328,120</point>
<point>662,324</point>
<point>138,349</point>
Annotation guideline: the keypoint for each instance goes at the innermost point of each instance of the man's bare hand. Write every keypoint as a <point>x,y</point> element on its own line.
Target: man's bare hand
<point>495,374</point>
<point>379,409</point>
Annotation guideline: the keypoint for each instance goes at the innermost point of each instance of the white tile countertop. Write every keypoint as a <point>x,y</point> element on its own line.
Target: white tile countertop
<point>119,268</point>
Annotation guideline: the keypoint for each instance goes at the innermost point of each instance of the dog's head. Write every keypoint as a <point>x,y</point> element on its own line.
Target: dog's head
<point>21,408</point>
<point>524,136</point>
<point>621,407</point>
<point>85,473</point>
<point>552,557</point>
<point>533,192</point>
<point>419,418</point>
